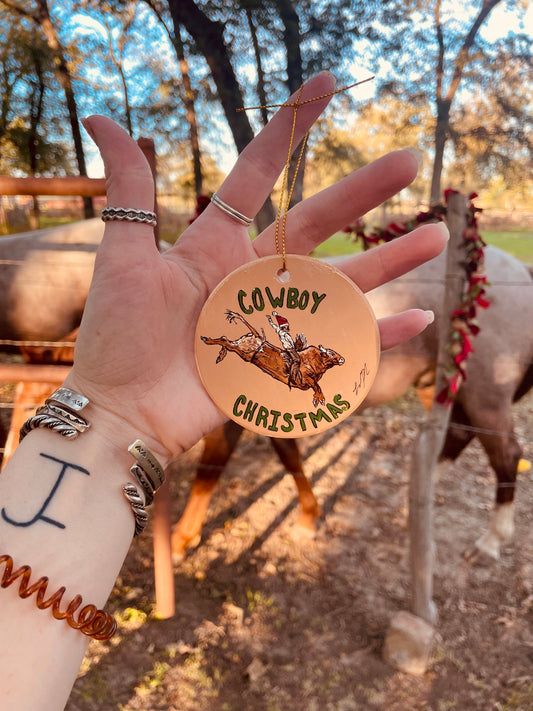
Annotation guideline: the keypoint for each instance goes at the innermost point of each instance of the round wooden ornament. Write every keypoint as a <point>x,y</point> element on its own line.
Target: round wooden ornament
<point>287,353</point>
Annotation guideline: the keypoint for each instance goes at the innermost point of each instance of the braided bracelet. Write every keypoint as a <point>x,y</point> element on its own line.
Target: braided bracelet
<point>60,413</point>
<point>150,475</point>
<point>91,621</point>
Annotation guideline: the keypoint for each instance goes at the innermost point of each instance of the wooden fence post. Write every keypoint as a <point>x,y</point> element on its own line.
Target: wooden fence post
<point>410,637</point>
<point>162,527</point>
<point>163,570</point>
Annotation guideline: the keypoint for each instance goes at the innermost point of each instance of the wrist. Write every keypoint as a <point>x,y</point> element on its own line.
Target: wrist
<point>117,427</point>
<point>64,416</point>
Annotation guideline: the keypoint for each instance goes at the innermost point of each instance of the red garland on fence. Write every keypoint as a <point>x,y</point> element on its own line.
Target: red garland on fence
<point>464,325</point>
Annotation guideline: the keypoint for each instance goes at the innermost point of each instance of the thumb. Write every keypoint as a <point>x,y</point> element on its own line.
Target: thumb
<point>129,180</point>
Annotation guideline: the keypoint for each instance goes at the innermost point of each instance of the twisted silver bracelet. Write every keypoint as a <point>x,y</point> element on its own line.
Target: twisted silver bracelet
<point>137,506</point>
<point>51,422</point>
<point>59,414</point>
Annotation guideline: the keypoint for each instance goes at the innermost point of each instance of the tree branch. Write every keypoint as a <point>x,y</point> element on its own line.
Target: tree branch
<point>17,8</point>
<point>462,56</point>
<point>440,56</point>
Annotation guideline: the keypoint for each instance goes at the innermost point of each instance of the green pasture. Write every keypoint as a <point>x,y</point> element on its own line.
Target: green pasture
<point>519,244</point>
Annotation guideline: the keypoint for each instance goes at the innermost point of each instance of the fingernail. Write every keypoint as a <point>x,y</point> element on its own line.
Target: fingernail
<point>417,155</point>
<point>444,229</point>
<point>430,316</point>
<point>327,73</point>
<point>87,126</point>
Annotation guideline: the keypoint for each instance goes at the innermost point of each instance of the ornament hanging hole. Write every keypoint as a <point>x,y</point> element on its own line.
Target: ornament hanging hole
<point>283,275</point>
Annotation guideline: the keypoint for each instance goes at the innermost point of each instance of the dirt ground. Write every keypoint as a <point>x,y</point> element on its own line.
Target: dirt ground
<point>269,620</point>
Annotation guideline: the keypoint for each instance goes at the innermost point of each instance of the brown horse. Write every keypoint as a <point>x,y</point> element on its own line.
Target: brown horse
<point>499,372</point>
<point>254,348</point>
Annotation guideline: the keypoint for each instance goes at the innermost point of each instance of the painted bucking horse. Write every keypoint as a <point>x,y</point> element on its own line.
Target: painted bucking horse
<point>254,348</point>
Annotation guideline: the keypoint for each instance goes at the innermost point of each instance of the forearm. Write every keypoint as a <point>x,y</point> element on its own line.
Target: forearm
<point>62,512</point>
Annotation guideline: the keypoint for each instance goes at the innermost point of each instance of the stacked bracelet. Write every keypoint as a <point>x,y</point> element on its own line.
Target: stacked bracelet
<point>61,413</point>
<point>148,472</point>
<point>150,475</point>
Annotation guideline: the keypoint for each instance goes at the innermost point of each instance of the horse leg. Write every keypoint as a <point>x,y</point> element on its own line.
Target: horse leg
<point>459,434</point>
<point>289,455</point>
<point>504,453</point>
<point>222,342</point>
<point>218,447</point>
<point>318,398</point>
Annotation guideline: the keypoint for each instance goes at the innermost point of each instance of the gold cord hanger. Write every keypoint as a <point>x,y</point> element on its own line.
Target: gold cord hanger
<point>283,207</point>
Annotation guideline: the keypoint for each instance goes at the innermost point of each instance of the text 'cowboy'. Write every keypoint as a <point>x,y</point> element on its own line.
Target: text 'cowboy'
<point>292,298</point>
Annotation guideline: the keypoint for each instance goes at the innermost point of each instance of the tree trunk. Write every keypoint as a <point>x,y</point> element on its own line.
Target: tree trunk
<point>441,135</point>
<point>36,112</point>
<point>118,61</point>
<point>443,99</point>
<point>190,112</point>
<point>44,19</point>
<point>261,93</point>
<point>208,37</point>
<point>291,40</point>
<point>127,106</point>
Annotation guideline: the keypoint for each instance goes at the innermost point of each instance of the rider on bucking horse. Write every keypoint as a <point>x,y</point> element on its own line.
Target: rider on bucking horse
<point>290,350</point>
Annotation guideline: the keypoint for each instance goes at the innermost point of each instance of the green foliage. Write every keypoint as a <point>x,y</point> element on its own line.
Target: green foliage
<point>31,127</point>
<point>122,55</point>
<point>484,87</point>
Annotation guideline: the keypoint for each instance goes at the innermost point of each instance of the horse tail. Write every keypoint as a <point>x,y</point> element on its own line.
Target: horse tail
<point>525,384</point>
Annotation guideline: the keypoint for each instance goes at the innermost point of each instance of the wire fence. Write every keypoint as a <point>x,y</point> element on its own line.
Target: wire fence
<point>65,263</point>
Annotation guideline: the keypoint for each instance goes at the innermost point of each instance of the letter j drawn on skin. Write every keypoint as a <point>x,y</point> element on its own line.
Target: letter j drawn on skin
<point>65,466</point>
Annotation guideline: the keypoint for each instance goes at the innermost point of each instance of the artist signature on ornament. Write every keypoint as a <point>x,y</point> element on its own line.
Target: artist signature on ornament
<point>362,379</point>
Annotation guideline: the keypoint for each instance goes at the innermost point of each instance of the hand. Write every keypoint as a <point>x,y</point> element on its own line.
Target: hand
<point>134,355</point>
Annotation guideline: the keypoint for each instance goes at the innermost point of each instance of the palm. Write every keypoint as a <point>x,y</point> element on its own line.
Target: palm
<point>136,343</point>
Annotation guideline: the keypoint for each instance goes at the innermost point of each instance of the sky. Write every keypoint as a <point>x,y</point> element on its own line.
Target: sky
<point>499,24</point>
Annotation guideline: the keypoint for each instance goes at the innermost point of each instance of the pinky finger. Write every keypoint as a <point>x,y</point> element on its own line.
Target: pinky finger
<point>401,327</point>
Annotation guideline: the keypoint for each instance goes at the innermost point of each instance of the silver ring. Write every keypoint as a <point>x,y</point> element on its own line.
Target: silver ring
<point>129,214</point>
<point>247,221</point>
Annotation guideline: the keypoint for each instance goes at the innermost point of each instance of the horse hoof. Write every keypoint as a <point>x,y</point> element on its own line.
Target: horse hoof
<point>302,532</point>
<point>474,556</point>
<point>485,550</point>
<point>178,558</point>
<point>181,546</point>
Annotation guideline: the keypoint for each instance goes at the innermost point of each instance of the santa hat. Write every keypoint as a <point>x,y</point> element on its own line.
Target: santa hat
<point>282,321</point>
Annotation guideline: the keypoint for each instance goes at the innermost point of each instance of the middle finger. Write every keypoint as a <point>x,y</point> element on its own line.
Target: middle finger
<point>318,217</point>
